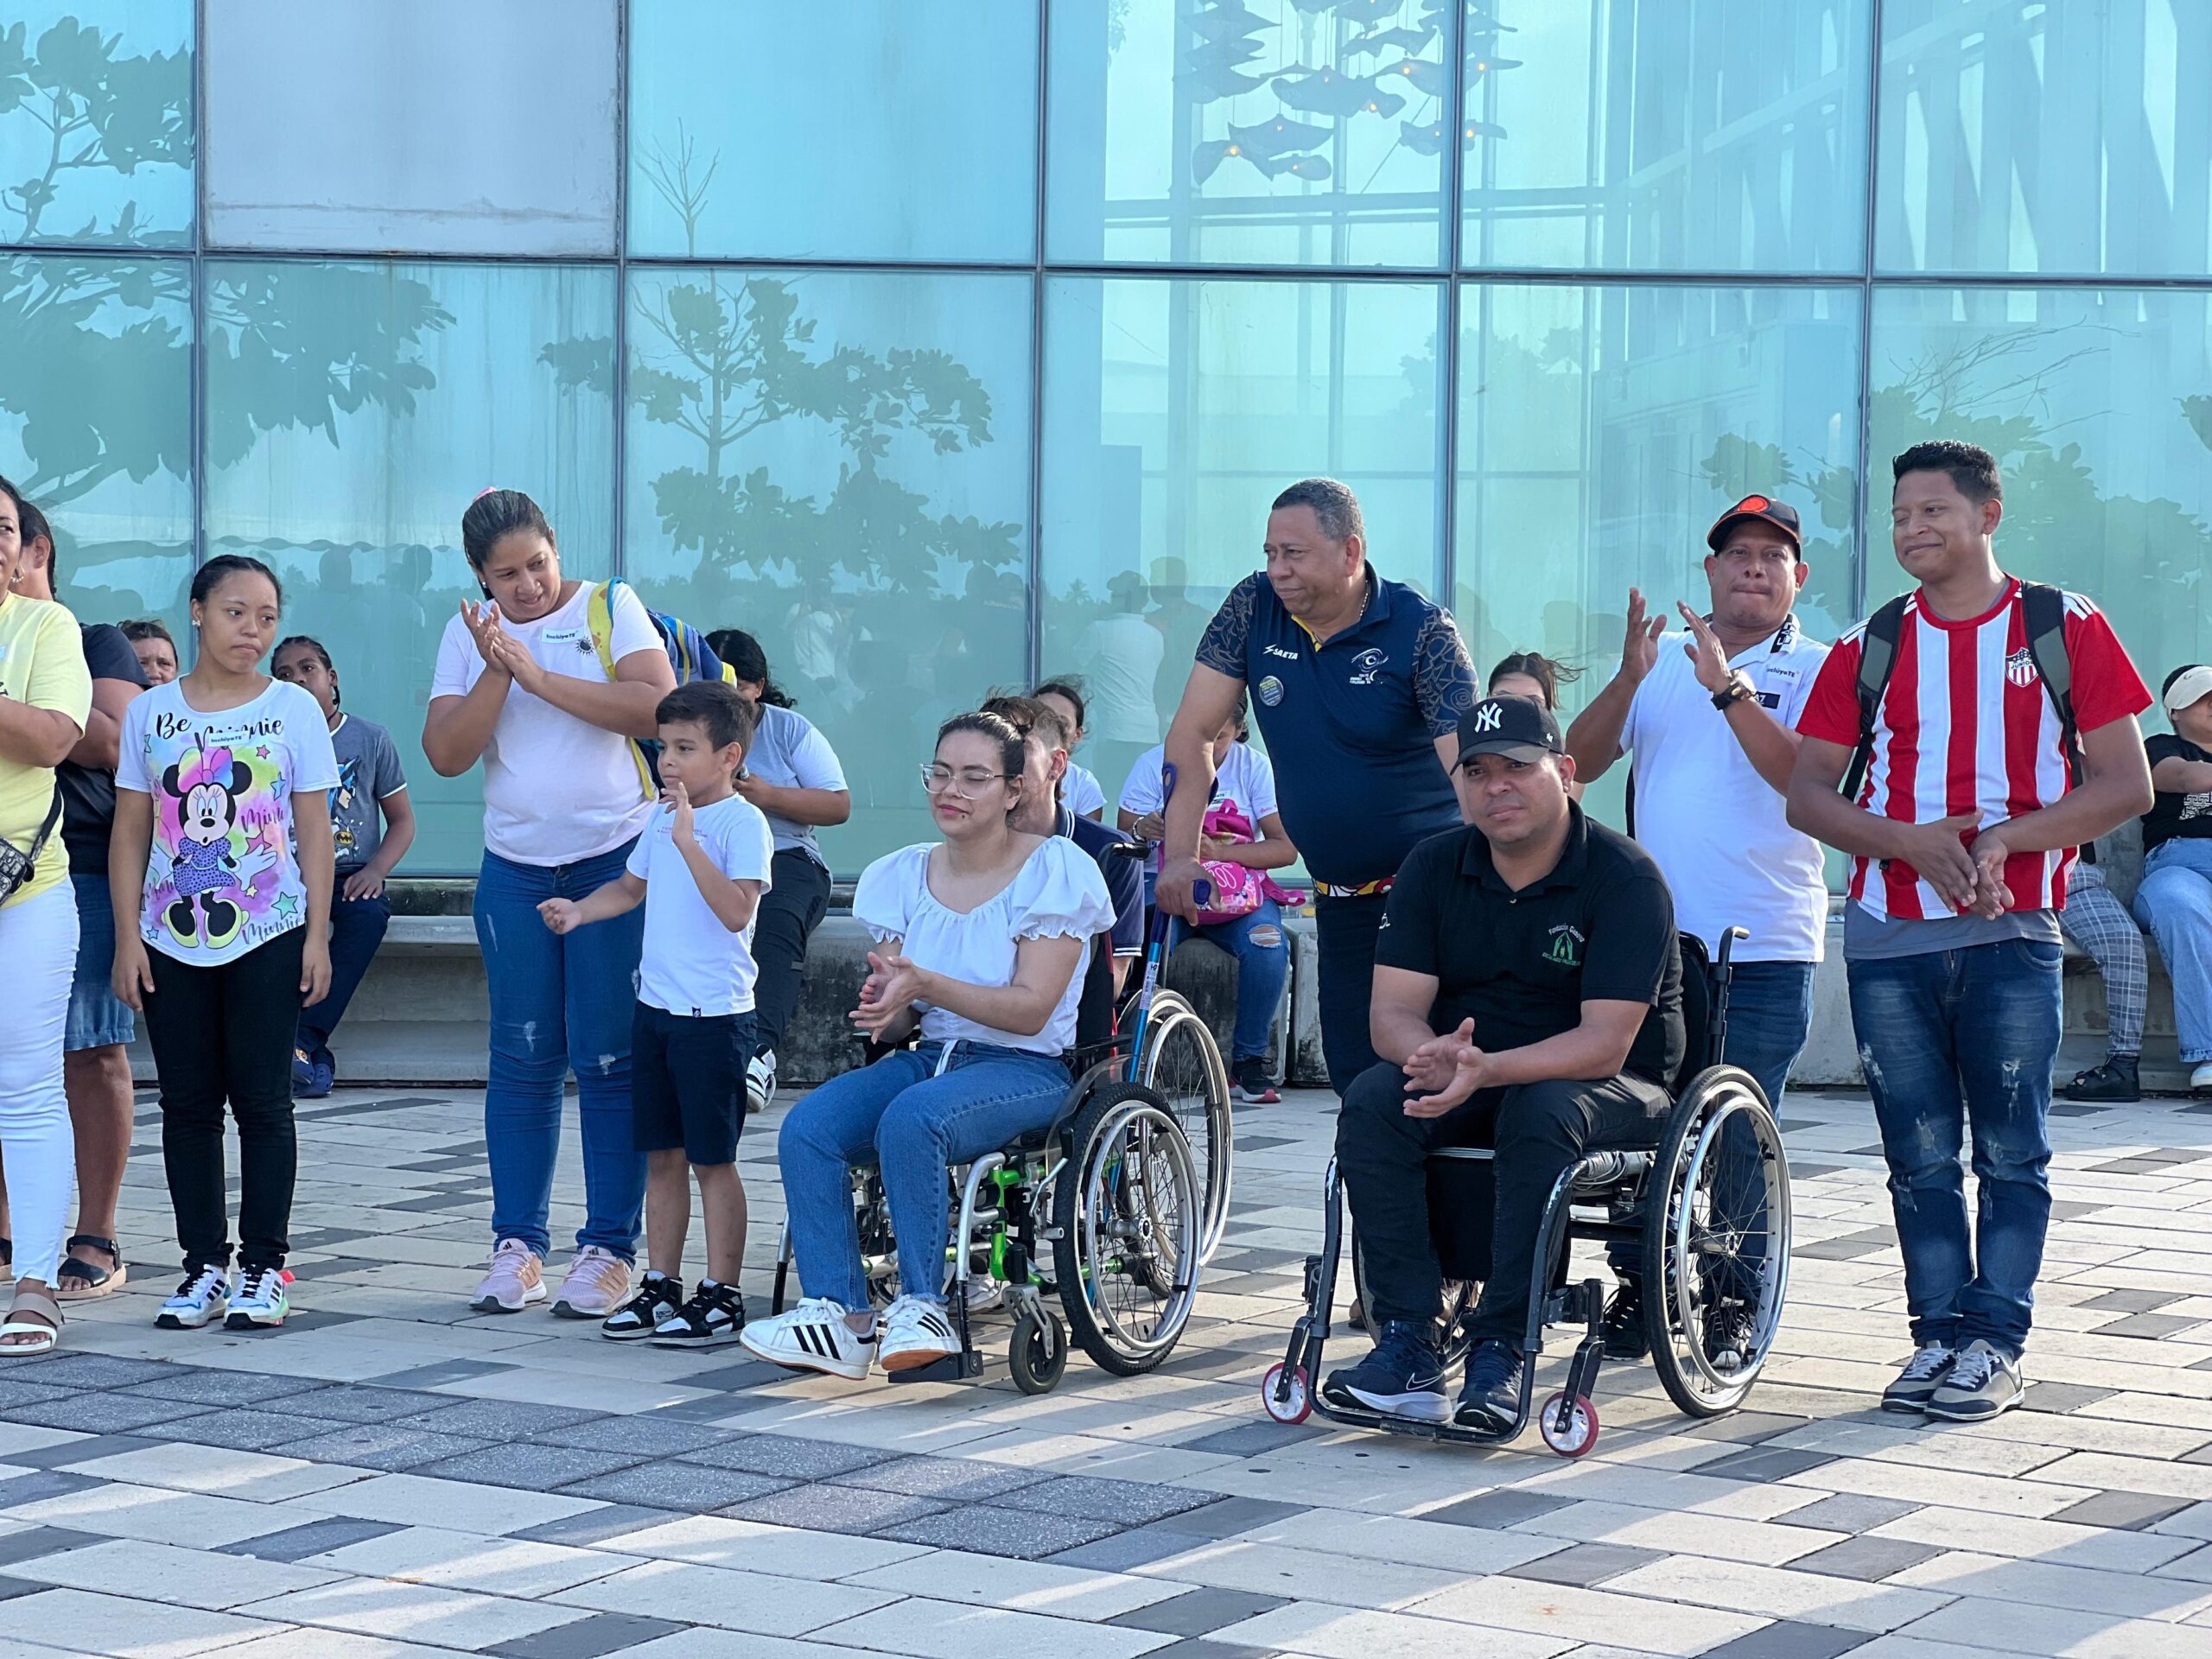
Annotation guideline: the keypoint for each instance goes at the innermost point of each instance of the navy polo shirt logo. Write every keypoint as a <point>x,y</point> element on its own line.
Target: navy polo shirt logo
<point>1367,664</point>
<point>1566,946</point>
<point>1282,652</point>
<point>1271,690</point>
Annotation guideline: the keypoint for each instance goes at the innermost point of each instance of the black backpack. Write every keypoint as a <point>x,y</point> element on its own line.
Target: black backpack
<point>1878,654</point>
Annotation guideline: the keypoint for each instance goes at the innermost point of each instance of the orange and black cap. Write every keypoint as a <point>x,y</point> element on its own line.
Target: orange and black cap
<point>1780,514</point>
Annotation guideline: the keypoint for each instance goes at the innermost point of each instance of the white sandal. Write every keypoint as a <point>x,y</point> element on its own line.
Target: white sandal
<point>40,1302</point>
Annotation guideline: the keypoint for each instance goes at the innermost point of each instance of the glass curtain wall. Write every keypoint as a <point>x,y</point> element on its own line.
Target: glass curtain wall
<point>944,343</point>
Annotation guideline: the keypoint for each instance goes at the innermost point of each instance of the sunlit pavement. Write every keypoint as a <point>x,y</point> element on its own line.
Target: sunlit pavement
<point>392,1474</point>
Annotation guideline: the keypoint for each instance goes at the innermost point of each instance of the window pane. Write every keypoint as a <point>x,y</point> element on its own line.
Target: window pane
<point>96,121</point>
<point>352,413</point>
<point>1667,135</point>
<point>2097,405</point>
<point>1176,411</point>
<point>839,463</point>
<point>96,424</point>
<point>1602,429</point>
<point>864,130</point>
<point>370,125</point>
<point>2066,139</point>
<point>1277,132</point>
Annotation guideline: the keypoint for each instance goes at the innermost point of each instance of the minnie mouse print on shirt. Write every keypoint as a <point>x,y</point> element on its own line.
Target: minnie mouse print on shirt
<point>223,874</point>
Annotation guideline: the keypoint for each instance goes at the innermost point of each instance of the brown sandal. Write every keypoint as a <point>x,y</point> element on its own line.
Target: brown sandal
<point>42,1306</point>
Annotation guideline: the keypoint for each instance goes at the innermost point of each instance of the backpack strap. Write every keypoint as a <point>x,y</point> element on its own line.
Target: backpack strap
<point>1878,654</point>
<point>599,617</point>
<point>2046,607</point>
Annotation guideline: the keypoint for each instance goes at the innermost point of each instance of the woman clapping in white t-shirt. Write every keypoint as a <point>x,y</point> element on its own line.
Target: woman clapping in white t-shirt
<point>520,686</point>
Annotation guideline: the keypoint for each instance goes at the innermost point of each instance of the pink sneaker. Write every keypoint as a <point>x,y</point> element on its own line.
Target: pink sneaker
<point>598,1283</point>
<point>515,1281</point>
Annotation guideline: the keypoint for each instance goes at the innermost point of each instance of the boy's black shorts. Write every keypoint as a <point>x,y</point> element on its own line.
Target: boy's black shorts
<point>687,1082</point>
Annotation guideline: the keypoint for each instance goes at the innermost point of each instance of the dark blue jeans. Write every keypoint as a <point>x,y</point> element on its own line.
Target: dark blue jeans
<point>1262,955</point>
<point>1770,1011</point>
<point>357,928</point>
<point>1954,1041</point>
<point>559,1002</point>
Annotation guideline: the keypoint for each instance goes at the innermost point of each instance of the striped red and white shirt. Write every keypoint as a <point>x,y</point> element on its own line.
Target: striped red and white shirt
<point>1966,726</point>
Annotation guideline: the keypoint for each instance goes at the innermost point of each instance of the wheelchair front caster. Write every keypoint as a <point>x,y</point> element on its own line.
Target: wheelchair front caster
<point>1038,1354</point>
<point>1573,1436</point>
<point>1288,1396</point>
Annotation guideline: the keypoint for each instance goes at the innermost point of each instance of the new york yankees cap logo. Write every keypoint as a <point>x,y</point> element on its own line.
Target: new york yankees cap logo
<point>1520,727</point>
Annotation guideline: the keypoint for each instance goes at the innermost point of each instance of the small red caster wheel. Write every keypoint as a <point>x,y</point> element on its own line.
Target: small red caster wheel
<point>1286,1395</point>
<point>1580,1432</point>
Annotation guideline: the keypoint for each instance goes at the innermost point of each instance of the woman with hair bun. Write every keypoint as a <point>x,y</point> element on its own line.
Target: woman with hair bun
<point>520,687</point>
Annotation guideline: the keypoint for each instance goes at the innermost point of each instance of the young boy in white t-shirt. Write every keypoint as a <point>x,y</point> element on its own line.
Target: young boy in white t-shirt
<point>700,867</point>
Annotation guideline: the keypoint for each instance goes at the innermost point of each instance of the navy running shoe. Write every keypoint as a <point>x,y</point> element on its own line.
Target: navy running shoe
<point>1403,1377</point>
<point>1490,1397</point>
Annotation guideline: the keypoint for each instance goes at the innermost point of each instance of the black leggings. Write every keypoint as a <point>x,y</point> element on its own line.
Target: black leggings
<point>1538,1128</point>
<point>797,899</point>
<point>220,1034</point>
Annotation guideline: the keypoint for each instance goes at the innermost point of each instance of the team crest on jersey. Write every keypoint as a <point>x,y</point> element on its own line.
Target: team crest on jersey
<point>2020,667</point>
<point>1271,690</point>
<point>1366,665</point>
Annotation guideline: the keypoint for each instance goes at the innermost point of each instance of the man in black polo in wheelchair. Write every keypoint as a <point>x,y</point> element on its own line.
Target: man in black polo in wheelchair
<point>1528,996</point>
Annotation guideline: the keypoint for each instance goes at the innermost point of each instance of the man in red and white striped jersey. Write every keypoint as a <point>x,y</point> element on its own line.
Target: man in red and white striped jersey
<point>1962,837</point>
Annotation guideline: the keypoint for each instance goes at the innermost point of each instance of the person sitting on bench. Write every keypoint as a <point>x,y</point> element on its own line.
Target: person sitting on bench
<point>1528,996</point>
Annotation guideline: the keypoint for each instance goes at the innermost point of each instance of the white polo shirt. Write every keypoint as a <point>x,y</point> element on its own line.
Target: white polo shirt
<point>1720,831</point>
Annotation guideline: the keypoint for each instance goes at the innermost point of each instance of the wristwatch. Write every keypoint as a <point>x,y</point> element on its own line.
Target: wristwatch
<point>1738,688</point>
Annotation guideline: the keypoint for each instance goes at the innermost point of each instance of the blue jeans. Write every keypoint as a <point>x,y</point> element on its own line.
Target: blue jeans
<point>2175,903</point>
<point>559,1002</point>
<point>919,1120</point>
<point>1263,965</point>
<point>357,928</point>
<point>1770,1011</point>
<point>1948,1040</point>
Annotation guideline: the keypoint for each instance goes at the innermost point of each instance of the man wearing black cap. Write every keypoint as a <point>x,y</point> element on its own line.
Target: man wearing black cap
<point>1528,995</point>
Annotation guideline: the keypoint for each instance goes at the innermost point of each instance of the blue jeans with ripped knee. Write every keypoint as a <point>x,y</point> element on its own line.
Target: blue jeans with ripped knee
<point>1262,966</point>
<point>560,1002</point>
<point>922,1110</point>
<point>1952,1042</point>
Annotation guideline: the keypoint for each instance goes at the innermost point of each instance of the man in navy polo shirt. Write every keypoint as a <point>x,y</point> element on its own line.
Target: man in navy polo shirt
<point>1358,684</point>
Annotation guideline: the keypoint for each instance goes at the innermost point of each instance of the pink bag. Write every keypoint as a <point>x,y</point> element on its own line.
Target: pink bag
<point>1236,891</point>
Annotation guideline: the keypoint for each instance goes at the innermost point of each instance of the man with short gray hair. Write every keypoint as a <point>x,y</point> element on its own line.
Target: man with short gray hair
<point>1357,684</point>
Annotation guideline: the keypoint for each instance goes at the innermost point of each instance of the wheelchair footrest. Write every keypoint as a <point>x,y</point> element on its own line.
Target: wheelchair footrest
<point>953,1368</point>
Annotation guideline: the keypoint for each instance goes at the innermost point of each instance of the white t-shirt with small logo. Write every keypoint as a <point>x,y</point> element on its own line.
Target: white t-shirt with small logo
<point>556,789</point>
<point>1719,831</point>
<point>692,964</point>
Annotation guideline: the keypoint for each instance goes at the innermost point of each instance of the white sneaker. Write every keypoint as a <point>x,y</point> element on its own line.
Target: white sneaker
<point>760,1081</point>
<point>812,1337</point>
<point>984,1293</point>
<point>203,1297</point>
<point>2200,1079</point>
<point>263,1301</point>
<point>917,1330</point>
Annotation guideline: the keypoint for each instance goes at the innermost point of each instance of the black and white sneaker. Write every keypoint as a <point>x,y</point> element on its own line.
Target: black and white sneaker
<point>1922,1374</point>
<point>263,1301</point>
<point>812,1337</point>
<point>760,1082</point>
<point>201,1300</point>
<point>657,1297</point>
<point>917,1330</point>
<point>714,1315</point>
<point>1983,1381</point>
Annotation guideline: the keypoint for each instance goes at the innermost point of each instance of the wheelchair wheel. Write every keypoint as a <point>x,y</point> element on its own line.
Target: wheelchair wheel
<point>1716,1242</point>
<point>1460,1296</point>
<point>1126,1222</point>
<point>1182,1065</point>
<point>1038,1356</point>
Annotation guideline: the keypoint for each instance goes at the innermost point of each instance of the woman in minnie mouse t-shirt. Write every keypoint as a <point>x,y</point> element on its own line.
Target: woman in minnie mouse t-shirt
<point>221,930</point>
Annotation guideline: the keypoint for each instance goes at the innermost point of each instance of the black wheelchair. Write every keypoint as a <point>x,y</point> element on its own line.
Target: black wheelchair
<point>1110,1209</point>
<point>1705,1215</point>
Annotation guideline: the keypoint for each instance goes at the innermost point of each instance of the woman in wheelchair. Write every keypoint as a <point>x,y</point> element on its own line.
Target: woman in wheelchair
<point>981,940</point>
<point>1528,996</point>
